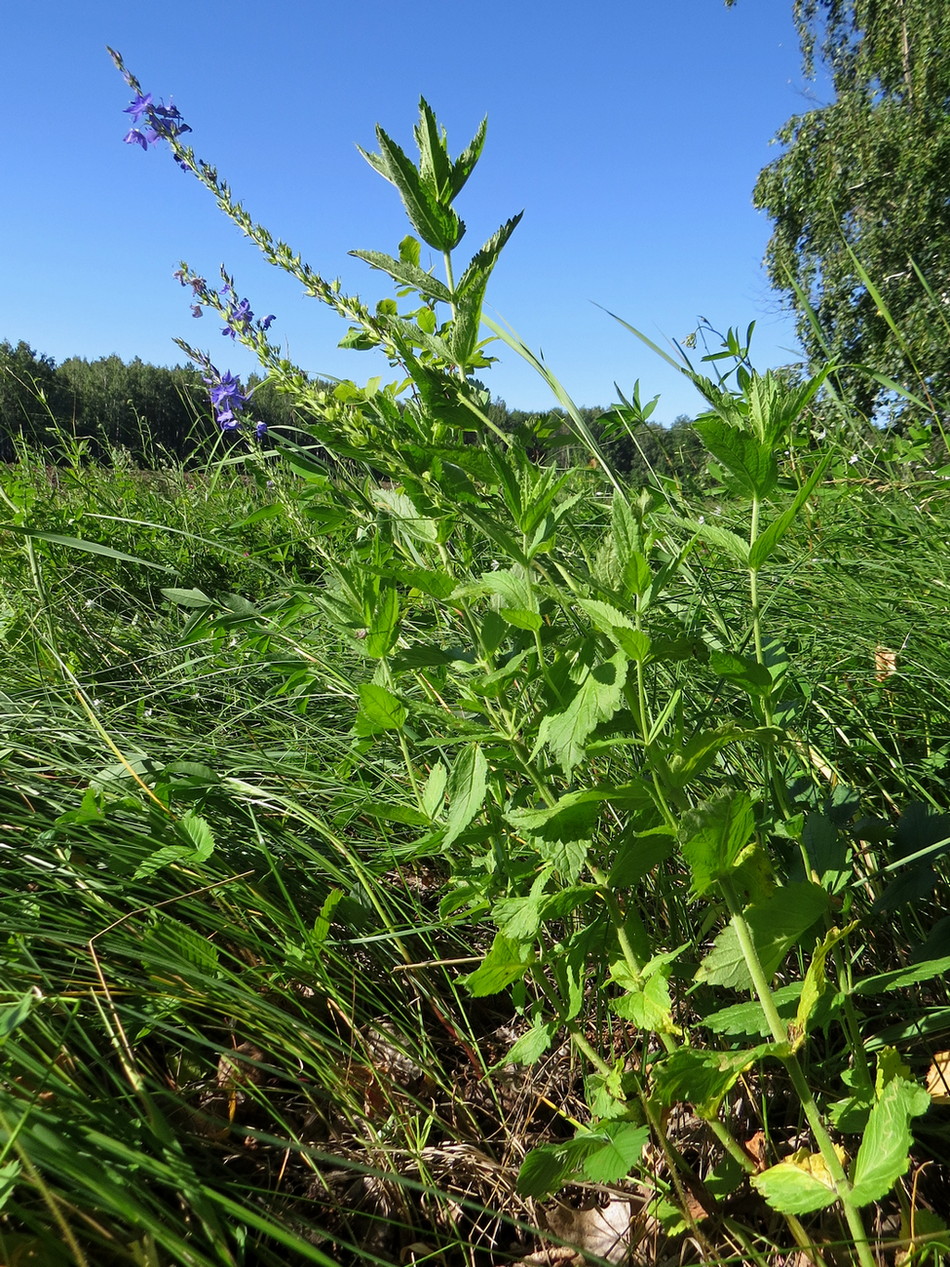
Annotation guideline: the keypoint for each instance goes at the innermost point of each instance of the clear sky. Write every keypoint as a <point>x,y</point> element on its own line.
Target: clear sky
<point>630,132</point>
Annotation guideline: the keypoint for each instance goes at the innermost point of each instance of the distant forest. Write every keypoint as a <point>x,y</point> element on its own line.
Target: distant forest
<point>157,415</point>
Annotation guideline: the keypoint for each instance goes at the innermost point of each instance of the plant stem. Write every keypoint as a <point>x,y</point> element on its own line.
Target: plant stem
<point>791,1062</point>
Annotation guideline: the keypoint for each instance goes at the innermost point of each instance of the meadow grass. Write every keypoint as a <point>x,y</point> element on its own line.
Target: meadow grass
<point>234,1030</point>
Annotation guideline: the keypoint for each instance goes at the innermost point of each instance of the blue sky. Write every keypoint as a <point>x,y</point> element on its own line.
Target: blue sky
<point>630,132</point>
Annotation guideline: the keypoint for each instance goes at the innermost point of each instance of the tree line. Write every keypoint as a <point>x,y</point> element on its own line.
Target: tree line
<point>159,414</point>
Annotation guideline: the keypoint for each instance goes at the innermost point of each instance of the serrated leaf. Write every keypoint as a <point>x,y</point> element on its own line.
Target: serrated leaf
<point>436,224</point>
<point>383,628</point>
<point>713,835</point>
<point>466,790</point>
<point>722,538</point>
<point>470,292</point>
<point>900,977</point>
<point>749,460</point>
<point>648,1007</point>
<point>520,917</point>
<point>406,274</point>
<point>816,983</point>
<point>791,1190</point>
<point>776,925</point>
<point>884,1153</point>
<point>379,711</point>
<point>618,1154</point>
<point>168,942</point>
<point>506,962</point>
<point>520,618</point>
<point>403,510</point>
<point>596,699</point>
<point>186,598</point>
<point>543,1171</point>
<point>198,834</point>
<point>618,627</point>
<point>702,1078</point>
<point>749,1018</point>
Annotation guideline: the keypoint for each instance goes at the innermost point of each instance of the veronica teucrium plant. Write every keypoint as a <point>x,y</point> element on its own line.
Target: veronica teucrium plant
<point>607,773</point>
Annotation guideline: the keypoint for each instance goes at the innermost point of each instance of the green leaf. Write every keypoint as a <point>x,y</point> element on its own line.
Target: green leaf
<point>618,627</point>
<point>622,1147</point>
<point>721,538</point>
<point>749,1018</point>
<point>436,224</point>
<point>900,977</point>
<point>89,547</point>
<point>9,1174</point>
<point>742,671</point>
<point>466,790</point>
<point>520,618</point>
<point>434,163</point>
<point>470,292</point>
<point>637,855</point>
<point>434,790</point>
<point>768,539</point>
<point>410,250</point>
<point>187,598</point>
<point>700,750</point>
<point>406,274</point>
<point>199,848</point>
<point>379,711</point>
<point>649,1006</point>
<point>464,164</point>
<point>702,1078</point>
<point>506,962</point>
<point>816,984</point>
<point>595,700</point>
<point>776,925</point>
<point>520,917</point>
<point>12,1015</point>
<point>198,834</point>
<point>792,1190</point>
<point>383,628</point>
<point>748,460</point>
<point>415,525</point>
<point>713,835</point>
<point>545,1170</point>
<point>530,1047</point>
<point>883,1155</point>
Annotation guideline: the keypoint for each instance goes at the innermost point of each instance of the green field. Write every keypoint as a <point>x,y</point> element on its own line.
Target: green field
<point>273,793</point>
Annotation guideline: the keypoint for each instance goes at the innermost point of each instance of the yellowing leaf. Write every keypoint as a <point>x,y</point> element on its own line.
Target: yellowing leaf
<point>938,1078</point>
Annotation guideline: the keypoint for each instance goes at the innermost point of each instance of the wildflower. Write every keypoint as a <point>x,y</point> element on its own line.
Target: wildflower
<point>238,316</point>
<point>196,310</point>
<point>226,392</point>
<point>141,104</point>
<point>260,430</point>
<point>265,324</point>
<point>852,460</point>
<point>228,421</point>
<point>135,137</point>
